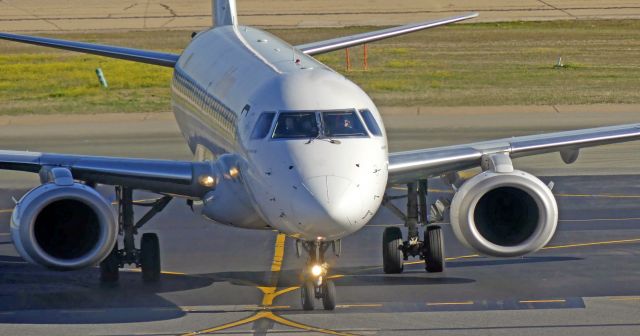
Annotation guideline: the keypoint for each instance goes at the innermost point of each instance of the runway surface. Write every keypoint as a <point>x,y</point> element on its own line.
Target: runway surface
<point>586,282</point>
<point>86,15</point>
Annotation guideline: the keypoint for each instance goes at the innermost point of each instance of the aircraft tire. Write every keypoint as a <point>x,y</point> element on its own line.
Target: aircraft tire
<point>329,295</point>
<point>392,259</point>
<point>308,295</point>
<point>434,249</point>
<point>150,257</point>
<point>110,267</point>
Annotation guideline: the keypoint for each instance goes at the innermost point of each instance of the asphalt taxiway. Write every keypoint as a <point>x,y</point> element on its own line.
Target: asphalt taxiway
<point>220,279</point>
<point>236,281</point>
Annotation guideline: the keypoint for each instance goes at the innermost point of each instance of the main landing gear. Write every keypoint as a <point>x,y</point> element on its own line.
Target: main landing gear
<point>315,284</point>
<point>395,250</point>
<point>147,257</point>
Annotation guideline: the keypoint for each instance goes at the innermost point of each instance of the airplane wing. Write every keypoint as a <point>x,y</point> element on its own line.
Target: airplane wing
<point>410,166</point>
<point>129,54</point>
<point>161,176</point>
<point>321,47</point>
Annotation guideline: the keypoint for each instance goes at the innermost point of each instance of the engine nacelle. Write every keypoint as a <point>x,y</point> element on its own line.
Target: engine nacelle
<point>504,214</point>
<point>63,227</point>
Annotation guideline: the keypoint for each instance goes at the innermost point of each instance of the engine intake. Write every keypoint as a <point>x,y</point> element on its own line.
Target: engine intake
<point>63,227</point>
<point>504,214</point>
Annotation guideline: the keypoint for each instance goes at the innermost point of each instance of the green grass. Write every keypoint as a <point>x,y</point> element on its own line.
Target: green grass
<point>466,64</point>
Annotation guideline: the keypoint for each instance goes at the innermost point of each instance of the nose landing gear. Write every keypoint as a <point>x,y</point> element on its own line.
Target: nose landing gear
<point>315,283</point>
<point>431,249</point>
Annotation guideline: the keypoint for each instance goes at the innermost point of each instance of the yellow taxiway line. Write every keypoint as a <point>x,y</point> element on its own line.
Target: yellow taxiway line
<point>552,247</point>
<point>610,242</point>
<point>625,298</point>
<point>613,196</point>
<point>269,295</point>
<point>449,303</point>
<point>543,301</point>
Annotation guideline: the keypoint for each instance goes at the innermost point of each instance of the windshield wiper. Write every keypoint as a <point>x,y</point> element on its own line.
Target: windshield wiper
<point>319,137</point>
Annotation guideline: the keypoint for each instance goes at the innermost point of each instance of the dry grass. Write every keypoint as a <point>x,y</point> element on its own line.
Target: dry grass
<point>474,64</point>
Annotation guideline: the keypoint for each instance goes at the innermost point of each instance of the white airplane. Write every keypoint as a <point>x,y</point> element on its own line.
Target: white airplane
<point>282,142</point>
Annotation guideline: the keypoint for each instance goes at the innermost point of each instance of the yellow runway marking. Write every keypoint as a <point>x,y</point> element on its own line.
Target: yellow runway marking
<point>449,303</point>
<point>601,219</point>
<point>365,305</point>
<point>598,195</point>
<point>6,210</point>
<point>270,293</point>
<point>614,196</point>
<point>447,259</point>
<point>172,273</point>
<point>137,270</point>
<point>542,301</point>
<point>554,247</point>
<point>630,298</point>
<point>610,242</point>
<point>278,254</point>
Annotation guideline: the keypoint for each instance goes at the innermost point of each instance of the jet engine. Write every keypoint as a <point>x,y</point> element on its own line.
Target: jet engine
<point>504,214</point>
<point>63,227</point>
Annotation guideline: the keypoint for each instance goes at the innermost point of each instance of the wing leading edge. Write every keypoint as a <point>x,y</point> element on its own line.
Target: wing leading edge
<point>162,176</point>
<point>405,167</point>
<point>321,47</point>
<point>129,54</point>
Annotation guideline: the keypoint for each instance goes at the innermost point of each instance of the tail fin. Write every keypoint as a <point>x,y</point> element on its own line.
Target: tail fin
<point>224,13</point>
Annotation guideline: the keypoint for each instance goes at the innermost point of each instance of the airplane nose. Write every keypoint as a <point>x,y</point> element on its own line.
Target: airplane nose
<point>336,197</point>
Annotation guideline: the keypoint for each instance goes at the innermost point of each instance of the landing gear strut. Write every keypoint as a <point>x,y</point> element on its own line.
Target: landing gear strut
<point>395,250</point>
<point>315,284</point>
<point>147,257</point>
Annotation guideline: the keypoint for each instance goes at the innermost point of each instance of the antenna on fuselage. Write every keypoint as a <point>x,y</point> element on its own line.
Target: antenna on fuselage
<point>224,13</point>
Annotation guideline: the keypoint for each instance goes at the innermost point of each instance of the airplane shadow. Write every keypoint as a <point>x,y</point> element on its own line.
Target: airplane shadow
<point>76,297</point>
<point>513,261</point>
<point>352,276</point>
<point>373,275</point>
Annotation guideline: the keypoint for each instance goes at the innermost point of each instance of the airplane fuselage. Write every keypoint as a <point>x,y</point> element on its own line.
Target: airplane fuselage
<point>301,148</point>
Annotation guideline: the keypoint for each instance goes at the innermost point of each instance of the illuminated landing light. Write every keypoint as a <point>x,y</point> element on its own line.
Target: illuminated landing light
<point>234,172</point>
<point>207,181</point>
<point>316,270</point>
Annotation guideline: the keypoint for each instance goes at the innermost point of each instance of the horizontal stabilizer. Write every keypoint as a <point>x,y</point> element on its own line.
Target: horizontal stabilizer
<point>129,54</point>
<point>321,47</point>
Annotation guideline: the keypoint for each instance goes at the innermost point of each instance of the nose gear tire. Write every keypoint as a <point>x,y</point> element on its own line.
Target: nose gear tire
<point>308,295</point>
<point>329,295</point>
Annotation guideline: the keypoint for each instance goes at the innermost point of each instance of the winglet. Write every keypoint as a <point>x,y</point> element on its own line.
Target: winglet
<point>321,47</point>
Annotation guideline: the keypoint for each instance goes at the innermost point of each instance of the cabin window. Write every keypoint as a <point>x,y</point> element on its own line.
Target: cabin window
<point>342,123</point>
<point>263,125</point>
<point>292,125</point>
<point>372,125</point>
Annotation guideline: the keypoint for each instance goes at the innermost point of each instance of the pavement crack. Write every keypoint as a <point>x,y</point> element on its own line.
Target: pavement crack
<point>169,9</point>
<point>557,8</point>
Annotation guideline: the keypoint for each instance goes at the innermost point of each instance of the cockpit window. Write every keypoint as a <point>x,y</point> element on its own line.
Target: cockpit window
<point>263,125</point>
<point>342,123</point>
<point>292,125</point>
<point>372,125</point>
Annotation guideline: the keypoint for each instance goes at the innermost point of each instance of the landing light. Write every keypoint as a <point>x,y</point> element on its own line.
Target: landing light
<point>233,172</point>
<point>316,270</point>
<point>207,181</point>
